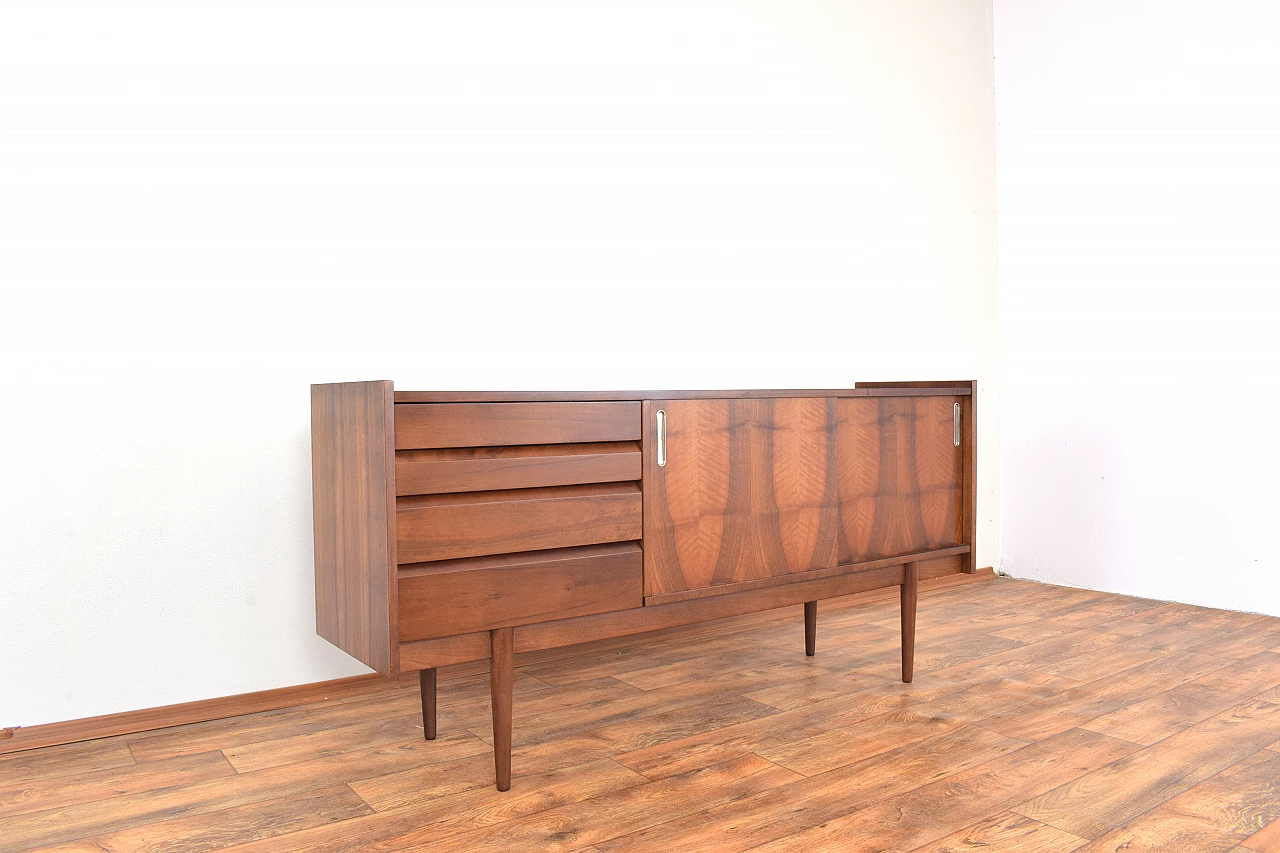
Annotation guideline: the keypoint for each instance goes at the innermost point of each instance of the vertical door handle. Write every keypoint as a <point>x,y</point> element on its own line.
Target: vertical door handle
<point>955,425</point>
<point>662,438</point>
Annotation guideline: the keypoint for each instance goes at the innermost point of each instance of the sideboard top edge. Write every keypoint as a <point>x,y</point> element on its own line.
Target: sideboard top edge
<point>605,396</point>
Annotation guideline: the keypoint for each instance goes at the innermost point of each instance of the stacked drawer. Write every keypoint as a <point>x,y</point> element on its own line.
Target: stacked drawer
<point>511,513</point>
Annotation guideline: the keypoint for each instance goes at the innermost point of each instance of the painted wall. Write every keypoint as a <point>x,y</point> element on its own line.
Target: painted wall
<point>1139,193</point>
<point>204,209</point>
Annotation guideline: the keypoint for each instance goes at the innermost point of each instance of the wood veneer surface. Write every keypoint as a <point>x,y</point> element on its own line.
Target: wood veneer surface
<point>748,492</point>
<point>863,389</point>
<point>355,549</point>
<point>1041,718</point>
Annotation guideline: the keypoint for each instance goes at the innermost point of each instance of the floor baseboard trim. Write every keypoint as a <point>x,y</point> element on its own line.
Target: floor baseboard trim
<point>19,738</point>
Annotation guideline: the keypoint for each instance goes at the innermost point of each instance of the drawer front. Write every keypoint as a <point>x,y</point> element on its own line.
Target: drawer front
<point>432,425</point>
<point>473,524</point>
<point>457,597</point>
<point>478,469</point>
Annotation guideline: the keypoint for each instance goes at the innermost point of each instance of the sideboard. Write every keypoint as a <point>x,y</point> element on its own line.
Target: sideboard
<point>454,527</point>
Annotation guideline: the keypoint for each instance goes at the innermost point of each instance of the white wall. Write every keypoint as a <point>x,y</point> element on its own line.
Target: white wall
<point>204,208</point>
<point>1139,186</point>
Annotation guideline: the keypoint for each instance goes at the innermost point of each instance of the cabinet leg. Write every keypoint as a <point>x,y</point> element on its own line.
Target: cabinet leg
<point>501,676</point>
<point>427,685</point>
<point>810,628</point>
<point>910,592</point>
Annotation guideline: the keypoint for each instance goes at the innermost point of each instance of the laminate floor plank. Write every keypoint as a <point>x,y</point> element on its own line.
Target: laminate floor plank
<point>597,692</point>
<point>404,818</point>
<point>1041,719</point>
<point>697,668</point>
<point>639,731</point>
<point>52,792</point>
<point>589,822</point>
<point>65,760</point>
<point>728,686</point>
<point>1156,717</point>
<point>221,829</point>
<point>937,809</point>
<point>851,739</point>
<point>313,745</point>
<point>835,715</point>
<point>1071,708</point>
<point>1111,796</point>
<point>1212,816</point>
<point>1265,840</point>
<point>84,820</point>
<point>1067,621</point>
<point>1005,832</point>
<point>884,693</point>
<point>747,823</point>
<point>267,725</point>
<point>1052,652</point>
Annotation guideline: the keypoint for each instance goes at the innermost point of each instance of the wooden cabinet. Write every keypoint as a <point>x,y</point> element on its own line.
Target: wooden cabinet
<point>458,526</point>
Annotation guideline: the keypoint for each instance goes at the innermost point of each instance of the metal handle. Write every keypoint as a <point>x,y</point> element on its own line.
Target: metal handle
<point>662,438</point>
<point>955,425</point>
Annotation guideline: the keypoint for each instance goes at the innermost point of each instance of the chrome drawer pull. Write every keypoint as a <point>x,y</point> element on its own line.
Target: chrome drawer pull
<point>662,438</point>
<point>955,427</point>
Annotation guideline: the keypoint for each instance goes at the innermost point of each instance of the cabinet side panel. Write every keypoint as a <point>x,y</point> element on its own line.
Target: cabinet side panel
<point>351,461</point>
<point>969,446</point>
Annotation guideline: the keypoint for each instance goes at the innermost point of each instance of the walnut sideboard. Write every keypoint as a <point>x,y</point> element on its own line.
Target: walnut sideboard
<point>453,527</point>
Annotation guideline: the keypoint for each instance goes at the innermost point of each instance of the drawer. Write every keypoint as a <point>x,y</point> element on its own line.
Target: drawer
<point>477,469</point>
<point>474,524</point>
<point>428,425</point>
<point>460,596</point>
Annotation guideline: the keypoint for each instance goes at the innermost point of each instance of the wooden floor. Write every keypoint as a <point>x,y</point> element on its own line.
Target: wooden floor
<point>1042,719</point>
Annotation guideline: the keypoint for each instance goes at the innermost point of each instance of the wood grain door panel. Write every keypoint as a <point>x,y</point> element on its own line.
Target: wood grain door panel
<point>748,492</point>
<point>900,480</point>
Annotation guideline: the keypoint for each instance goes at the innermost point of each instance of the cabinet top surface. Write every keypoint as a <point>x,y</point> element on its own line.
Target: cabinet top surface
<point>956,388</point>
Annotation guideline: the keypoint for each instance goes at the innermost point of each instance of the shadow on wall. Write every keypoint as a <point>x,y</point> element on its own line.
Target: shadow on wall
<point>1060,515</point>
<point>1146,499</point>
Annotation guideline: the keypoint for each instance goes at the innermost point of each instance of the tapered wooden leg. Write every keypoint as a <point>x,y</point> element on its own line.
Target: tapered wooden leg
<point>810,628</point>
<point>427,685</point>
<point>910,592</point>
<point>501,675</point>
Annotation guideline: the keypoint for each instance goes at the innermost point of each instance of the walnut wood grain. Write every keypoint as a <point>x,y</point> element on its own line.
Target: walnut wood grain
<point>488,424</point>
<point>479,469</point>
<point>915,385</point>
<point>748,492</point>
<point>427,693</point>
<point>940,566</point>
<point>969,474</point>
<point>861,389</point>
<point>501,677</point>
<point>907,613</point>
<point>516,589</point>
<point>446,527</point>
<point>445,651</point>
<point>900,477</point>
<point>943,561</point>
<point>353,498</point>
